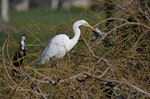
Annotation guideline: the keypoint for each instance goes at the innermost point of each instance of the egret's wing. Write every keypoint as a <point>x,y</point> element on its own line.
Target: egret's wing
<point>44,57</point>
<point>57,47</point>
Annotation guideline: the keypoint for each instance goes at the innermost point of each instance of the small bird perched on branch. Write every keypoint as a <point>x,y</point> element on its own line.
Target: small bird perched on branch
<point>19,56</point>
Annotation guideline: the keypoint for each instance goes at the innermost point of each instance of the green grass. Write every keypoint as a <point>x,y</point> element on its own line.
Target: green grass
<point>40,25</point>
<point>45,23</point>
<point>52,18</point>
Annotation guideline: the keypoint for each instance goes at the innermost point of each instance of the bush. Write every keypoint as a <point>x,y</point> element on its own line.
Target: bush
<point>116,66</point>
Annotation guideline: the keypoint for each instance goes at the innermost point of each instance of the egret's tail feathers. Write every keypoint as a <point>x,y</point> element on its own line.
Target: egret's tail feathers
<point>43,59</point>
<point>41,62</point>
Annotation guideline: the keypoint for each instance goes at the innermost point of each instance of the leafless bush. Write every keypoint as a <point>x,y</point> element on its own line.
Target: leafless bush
<point>115,66</point>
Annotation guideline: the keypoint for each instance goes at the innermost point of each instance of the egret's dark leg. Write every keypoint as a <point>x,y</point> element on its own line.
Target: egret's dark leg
<point>54,62</point>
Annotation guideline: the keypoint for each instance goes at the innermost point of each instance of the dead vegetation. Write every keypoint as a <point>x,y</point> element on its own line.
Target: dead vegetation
<point>116,66</point>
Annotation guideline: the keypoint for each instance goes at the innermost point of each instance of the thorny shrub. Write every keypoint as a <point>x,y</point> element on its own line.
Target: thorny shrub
<point>116,66</point>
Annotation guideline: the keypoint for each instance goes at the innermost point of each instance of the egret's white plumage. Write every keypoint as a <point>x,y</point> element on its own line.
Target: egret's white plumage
<point>60,44</point>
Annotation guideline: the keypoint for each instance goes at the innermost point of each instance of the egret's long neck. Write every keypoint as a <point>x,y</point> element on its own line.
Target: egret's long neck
<point>77,33</point>
<point>76,36</point>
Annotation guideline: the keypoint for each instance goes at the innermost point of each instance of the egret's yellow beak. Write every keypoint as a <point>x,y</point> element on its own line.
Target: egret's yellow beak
<point>89,26</point>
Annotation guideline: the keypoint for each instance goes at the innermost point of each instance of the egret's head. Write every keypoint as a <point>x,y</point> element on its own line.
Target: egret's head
<point>23,37</point>
<point>82,22</point>
<point>85,23</point>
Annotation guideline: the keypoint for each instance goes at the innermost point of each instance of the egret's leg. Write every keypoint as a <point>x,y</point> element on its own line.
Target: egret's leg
<point>54,62</point>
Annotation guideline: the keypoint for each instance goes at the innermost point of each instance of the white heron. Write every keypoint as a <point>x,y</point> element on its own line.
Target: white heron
<point>61,43</point>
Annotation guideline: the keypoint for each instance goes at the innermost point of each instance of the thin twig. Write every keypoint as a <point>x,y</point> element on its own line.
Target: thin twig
<point>139,89</point>
<point>95,56</point>
<point>120,82</point>
<point>3,59</point>
<point>124,20</point>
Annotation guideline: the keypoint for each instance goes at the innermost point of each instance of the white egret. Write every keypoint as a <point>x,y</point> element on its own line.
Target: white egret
<point>61,43</point>
<point>18,57</point>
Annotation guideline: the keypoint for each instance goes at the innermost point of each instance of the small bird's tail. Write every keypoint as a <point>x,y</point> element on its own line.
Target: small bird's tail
<point>41,60</point>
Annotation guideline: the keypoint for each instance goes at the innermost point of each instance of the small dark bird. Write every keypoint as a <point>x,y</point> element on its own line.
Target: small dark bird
<point>97,33</point>
<point>18,57</point>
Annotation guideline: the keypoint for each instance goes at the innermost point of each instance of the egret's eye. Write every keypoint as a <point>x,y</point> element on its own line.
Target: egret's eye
<point>86,24</point>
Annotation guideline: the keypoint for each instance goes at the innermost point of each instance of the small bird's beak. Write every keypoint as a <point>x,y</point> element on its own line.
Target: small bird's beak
<point>89,26</point>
